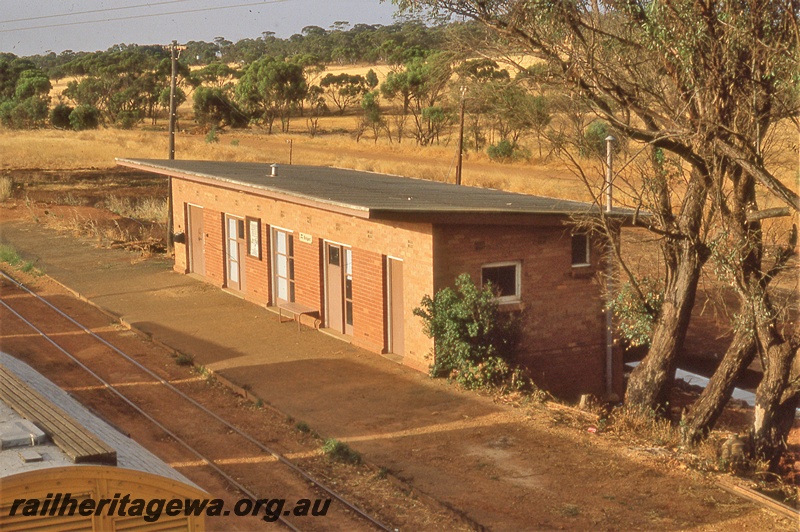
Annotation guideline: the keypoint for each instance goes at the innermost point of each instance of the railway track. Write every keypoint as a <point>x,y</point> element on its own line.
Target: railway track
<point>257,471</point>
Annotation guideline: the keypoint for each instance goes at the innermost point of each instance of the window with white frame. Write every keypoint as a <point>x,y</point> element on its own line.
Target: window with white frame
<point>505,280</point>
<point>283,265</point>
<point>581,250</point>
<point>254,237</point>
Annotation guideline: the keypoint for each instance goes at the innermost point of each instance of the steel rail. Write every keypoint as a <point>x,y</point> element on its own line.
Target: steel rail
<point>111,388</point>
<point>302,473</point>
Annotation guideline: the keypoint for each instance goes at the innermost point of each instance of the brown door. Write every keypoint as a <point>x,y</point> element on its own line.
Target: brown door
<point>334,292</point>
<point>394,283</point>
<point>235,252</point>
<point>196,240</point>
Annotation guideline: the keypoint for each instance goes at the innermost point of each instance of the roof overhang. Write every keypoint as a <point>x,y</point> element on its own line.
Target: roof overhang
<point>229,184</point>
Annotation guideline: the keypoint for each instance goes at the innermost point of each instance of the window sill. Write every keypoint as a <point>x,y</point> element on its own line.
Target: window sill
<point>510,306</point>
<point>582,271</point>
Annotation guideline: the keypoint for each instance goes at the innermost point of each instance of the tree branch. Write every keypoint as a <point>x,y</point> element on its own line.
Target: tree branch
<point>761,174</point>
<point>763,214</point>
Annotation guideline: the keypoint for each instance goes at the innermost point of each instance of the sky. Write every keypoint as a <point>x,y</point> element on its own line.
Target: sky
<point>91,25</point>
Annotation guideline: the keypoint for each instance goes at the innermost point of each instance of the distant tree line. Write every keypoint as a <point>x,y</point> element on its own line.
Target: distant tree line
<point>269,81</point>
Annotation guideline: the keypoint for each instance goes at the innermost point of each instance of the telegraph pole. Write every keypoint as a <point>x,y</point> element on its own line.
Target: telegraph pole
<point>172,110</point>
<point>172,115</point>
<point>460,136</point>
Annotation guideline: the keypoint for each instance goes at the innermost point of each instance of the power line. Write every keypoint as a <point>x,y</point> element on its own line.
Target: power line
<point>133,17</point>
<point>75,13</point>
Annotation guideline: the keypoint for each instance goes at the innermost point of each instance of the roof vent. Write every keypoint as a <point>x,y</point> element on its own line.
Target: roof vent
<point>274,171</point>
<point>20,433</point>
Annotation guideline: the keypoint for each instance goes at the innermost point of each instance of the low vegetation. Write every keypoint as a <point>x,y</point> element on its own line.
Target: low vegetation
<point>145,209</point>
<point>340,452</point>
<point>10,256</point>
<point>474,342</point>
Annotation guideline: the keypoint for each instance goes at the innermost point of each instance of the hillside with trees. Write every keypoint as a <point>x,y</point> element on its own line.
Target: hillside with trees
<point>279,84</point>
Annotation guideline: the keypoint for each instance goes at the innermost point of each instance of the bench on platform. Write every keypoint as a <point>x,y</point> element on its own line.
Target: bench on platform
<point>296,310</point>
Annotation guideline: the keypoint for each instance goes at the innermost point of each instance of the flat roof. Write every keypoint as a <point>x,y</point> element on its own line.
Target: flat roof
<point>374,195</point>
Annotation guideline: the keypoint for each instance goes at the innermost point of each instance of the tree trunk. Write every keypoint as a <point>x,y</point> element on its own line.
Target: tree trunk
<point>685,255</point>
<point>703,414</point>
<point>769,426</point>
<point>649,383</point>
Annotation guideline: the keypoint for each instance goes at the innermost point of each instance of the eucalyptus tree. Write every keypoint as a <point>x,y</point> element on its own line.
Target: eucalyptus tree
<point>271,89</point>
<point>705,83</point>
<point>344,89</point>
<point>24,93</point>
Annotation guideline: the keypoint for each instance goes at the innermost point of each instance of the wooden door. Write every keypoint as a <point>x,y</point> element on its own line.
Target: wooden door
<point>196,240</point>
<point>394,304</point>
<point>334,293</point>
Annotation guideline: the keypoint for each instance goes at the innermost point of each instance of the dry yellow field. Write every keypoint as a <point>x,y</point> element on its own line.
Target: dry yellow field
<point>67,150</point>
<point>54,150</point>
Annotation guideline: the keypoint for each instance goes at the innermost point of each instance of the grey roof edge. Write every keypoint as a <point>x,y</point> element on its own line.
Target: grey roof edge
<point>315,199</point>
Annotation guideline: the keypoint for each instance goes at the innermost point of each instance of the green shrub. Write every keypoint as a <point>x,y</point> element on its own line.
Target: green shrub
<point>84,117</point>
<point>473,340</point>
<point>505,151</point>
<point>212,137</point>
<point>29,113</point>
<point>593,143</point>
<point>10,256</point>
<point>636,316</point>
<point>184,360</point>
<point>340,452</point>
<point>128,119</point>
<point>59,116</point>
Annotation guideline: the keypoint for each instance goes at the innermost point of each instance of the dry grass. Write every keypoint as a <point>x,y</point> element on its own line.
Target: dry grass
<point>146,209</point>
<point>67,150</point>
<point>6,185</point>
<point>336,146</point>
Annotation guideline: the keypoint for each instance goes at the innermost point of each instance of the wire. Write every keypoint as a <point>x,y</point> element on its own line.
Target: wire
<point>75,13</point>
<point>132,17</point>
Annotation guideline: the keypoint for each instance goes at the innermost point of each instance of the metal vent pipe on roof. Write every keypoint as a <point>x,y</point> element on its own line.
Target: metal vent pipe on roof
<point>610,271</point>
<point>609,172</point>
<point>274,170</point>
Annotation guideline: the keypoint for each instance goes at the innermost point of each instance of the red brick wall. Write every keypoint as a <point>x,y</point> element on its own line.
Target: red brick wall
<point>563,324</point>
<point>257,269</point>
<point>370,241</point>
<point>308,273</point>
<point>369,291</point>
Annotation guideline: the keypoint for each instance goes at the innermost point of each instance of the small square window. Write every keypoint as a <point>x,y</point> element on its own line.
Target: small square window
<point>504,278</point>
<point>581,250</point>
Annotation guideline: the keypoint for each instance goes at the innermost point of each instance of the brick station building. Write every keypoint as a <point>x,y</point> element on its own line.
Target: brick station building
<point>355,252</point>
